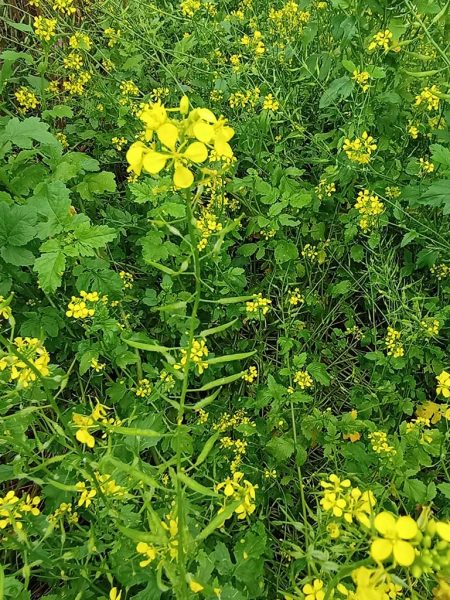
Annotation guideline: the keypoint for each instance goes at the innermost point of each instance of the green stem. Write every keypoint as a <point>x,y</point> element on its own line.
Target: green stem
<point>193,317</point>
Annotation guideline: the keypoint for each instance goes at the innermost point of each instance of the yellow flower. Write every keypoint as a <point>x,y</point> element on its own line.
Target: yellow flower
<point>86,495</point>
<point>429,95</point>
<point>195,587</point>
<point>314,591</point>
<point>361,78</point>
<point>396,532</point>
<point>5,310</point>
<point>382,39</point>
<point>332,502</point>
<point>148,551</point>
<point>44,28</point>
<point>114,594</point>
<point>210,130</point>
<point>443,386</point>
<point>84,437</point>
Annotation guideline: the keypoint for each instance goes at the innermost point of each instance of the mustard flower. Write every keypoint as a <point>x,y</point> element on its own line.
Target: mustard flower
<point>44,28</point>
<point>314,591</point>
<point>396,534</point>
<point>443,387</point>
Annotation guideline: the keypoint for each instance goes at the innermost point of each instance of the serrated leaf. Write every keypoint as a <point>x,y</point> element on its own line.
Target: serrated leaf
<point>91,237</point>
<point>96,183</point>
<point>50,269</point>
<point>319,372</point>
<point>285,250</point>
<point>16,225</point>
<point>24,133</point>
<point>281,448</point>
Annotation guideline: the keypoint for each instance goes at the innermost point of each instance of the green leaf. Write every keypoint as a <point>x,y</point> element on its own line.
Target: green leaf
<point>24,133</point>
<point>444,488</point>
<point>96,183</point>
<point>153,248</point>
<point>52,200</point>
<point>16,225</point>
<point>337,90</point>
<point>319,372</point>
<point>440,155</point>
<point>284,251</point>
<point>415,490</point>
<point>18,256</point>
<point>91,237</point>
<point>341,289</point>
<point>281,448</point>
<point>50,269</point>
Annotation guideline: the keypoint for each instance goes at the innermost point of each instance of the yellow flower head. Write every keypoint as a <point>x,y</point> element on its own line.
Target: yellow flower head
<point>314,590</point>
<point>443,387</point>
<point>396,534</point>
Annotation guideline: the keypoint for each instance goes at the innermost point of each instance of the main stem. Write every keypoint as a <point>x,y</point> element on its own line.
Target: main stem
<point>193,318</point>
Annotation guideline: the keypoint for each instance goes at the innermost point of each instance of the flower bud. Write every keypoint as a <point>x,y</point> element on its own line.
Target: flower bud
<point>184,105</point>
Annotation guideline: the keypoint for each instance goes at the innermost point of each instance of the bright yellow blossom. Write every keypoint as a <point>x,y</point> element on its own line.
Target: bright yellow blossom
<point>396,534</point>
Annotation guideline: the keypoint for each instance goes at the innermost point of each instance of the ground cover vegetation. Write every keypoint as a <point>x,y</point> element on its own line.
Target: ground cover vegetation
<point>224,299</point>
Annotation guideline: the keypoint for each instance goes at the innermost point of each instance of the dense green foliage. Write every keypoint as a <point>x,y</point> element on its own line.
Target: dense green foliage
<point>224,345</point>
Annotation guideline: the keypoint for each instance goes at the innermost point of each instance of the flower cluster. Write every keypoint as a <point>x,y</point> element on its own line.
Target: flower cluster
<point>245,492</point>
<point>228,421</point>
<point>345,502</point>
<point>97,366</point>
<point>433,412</point>
<point>369,207</point>
<point>31,357</point>
<point>426,167</point>
<point>288,21</point>
<point>207,224</point>
<point>360,149</point>
<point>430,97</point>
<point>85,423</point>
<point>143,389</point>
<point>197,352</point>
<point>254,43</point>
<point>73,61</point>
<point>250,374</point>
<point>442,271</point>
<point>382,39</point>
<point>296,297</point>
<point>325,189</point>
<point>167,543</point>
<point>238,447</point>
<point>190,7</point>
<point>127,279</point>
<point>80,40</point>
<point>430,326</point>
<point>26,99</point>
<point>362,79</point>
<point>64,512</point>
<point>303,379</point>
<point>44,28</point>
<point>258,306</point>
<point>65,7</point>
<point>393,343</point>
<point>112,35</point>
<point>249,98</point>
<point>174,137</point>
<point>83,306</point>
<point>380,445</point>
<point>13,508</point>
<point>269,103</point>
<point>75,84</point>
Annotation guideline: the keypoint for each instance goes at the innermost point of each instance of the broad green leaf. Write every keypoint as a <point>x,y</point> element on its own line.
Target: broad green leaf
<point>285,250</point>
<point>24,133</point>
<point>91,237</point>
<point>319,373</point>
<point>96,183</point>
<point>16,225</point>
<point>281,448</point>
<point>50,269</point>
<point>337,90</point>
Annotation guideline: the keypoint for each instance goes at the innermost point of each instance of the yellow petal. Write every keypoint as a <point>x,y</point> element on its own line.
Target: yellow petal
<point>206,115</point>
<point>168,135</point>
<point>406,528</point>
<point>443,530</point>
<point>384,522</point>
<point>195,586</point>
<point>381,549</point>
<point>404,553</point>
<point>134,156</point>
<point>196,152</point>
<point>203,131</point>
<point>182,177</point>
<point>154,162</point>
<point>223,149</point>
<point>84,437</point>
<point>184,105</point>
